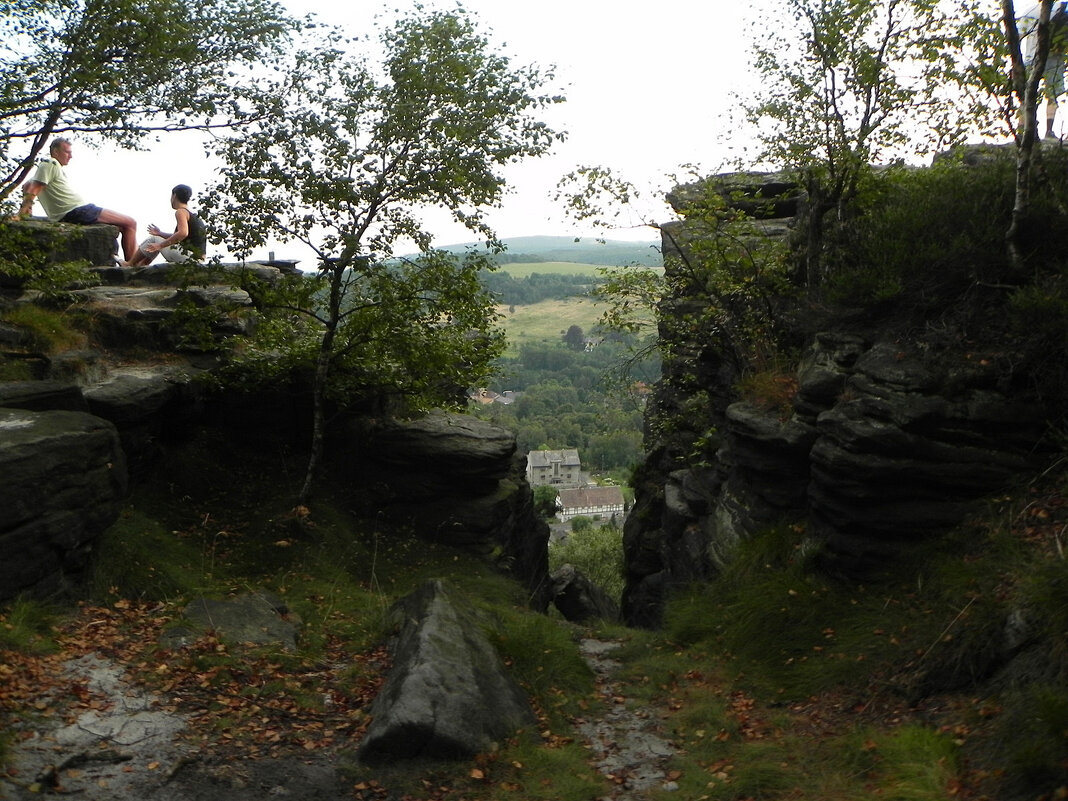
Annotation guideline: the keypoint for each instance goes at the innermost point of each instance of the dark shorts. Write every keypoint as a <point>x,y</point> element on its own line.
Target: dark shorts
<point>83,215</point>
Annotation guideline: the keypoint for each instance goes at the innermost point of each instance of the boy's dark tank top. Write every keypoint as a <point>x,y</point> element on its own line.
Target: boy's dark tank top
<point>197,241</point>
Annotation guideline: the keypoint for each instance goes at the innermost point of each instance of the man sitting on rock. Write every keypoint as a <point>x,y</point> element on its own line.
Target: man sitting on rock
<point>62,204</point>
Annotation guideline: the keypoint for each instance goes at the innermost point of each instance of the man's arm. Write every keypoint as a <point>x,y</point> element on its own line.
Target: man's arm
<point>30,190</point>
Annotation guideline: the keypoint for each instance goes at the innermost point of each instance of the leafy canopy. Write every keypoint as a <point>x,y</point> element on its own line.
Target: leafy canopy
<point>345,155</point>
<point>848,83</point>
<point>124,69</point>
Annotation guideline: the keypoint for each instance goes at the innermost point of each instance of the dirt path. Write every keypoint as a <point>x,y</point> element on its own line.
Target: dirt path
<point>122,743</point>
<point>628,746</point>
<point>102,737</point>
<point>117,744</point>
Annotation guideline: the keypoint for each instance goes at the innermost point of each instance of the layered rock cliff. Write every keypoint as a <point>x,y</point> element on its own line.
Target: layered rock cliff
<point>895,419</point>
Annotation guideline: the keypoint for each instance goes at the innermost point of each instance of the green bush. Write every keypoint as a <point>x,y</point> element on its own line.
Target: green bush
<point>597,551</point>
<point>33,256</point>
<point>921,230</point>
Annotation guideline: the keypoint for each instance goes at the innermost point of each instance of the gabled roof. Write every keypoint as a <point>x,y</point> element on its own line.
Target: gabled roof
<point>546,458</point>
<point>592,497</point>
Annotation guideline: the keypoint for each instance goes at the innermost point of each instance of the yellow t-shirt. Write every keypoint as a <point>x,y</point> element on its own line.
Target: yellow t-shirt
<point>57,198</point>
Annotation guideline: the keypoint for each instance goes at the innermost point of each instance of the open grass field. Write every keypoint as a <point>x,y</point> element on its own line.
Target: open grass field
<point>548,320</point>
<point>523,269</point>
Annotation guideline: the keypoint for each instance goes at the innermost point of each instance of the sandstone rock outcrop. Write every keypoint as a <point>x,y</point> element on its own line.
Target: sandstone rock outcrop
<point>64,478</point>
<point>888,440</point>
<point>43,242</point>
<point>448,694</point>
<point>257,619</point>
<point>578,599</point>
<point>456,480</point>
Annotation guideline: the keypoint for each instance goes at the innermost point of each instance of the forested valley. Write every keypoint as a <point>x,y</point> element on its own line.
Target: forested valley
<point>581,386</point>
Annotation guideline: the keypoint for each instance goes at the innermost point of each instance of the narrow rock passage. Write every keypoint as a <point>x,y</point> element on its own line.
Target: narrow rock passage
<point>627,744</point>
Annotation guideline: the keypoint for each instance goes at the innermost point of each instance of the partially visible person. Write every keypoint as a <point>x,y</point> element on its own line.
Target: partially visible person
<point>189,240</point>
<point>63,204</point>
<point>1053,70</point>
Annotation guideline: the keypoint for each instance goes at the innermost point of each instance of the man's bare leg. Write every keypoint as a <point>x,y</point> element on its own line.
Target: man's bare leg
<point>128,228</point>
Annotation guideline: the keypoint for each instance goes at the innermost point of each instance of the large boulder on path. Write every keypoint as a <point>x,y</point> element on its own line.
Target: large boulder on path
<point>448,695</point>
<point>64,478</point>
<point>456,480</point>
<point>42,396</point>
<point>454,453</point>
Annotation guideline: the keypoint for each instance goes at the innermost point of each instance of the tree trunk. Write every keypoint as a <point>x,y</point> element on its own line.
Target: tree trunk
<point>818,206</point>
<point>1026,79</point>
<point>321,379</point>
<point>322,374</point>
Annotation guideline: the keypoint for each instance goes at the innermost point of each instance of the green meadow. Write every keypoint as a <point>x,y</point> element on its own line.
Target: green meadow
<point>548,320</point>
<point>524,269</point>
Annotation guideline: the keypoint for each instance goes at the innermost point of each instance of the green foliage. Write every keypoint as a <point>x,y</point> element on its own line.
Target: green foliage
<point>370,147</point>
<point>509,290</point>
<point>420,330</point>
<point>723,281</point>
<point>865,84</point>
<point>597,551</point>
<point>574,337</point>
<point>581,523</point>
<point>570,399</point>
<point>891,247</point>
<point>31,256</point>
<point>343,156</point>
<point>545,501</point>
<point>124,69</point>
<point>853,92</point>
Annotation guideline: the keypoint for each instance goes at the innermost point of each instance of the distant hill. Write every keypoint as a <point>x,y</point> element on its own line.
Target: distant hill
<point>564,248</point>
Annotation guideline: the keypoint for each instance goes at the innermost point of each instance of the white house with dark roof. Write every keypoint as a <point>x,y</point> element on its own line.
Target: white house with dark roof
<point>554,468</point>
<point>590,502</point>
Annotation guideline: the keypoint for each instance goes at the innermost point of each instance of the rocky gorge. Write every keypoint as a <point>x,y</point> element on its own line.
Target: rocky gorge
<point>879,427</point>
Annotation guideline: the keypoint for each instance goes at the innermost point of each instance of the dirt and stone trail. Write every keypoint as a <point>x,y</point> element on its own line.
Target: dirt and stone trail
<point>627,744</point>
<point>126,745</point>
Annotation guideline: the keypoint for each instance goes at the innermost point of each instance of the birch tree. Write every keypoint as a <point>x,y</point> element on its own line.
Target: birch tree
<point>345,155</point>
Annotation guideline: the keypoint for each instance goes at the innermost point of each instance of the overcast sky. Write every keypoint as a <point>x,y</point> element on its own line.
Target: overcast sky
<point>648,89</point>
